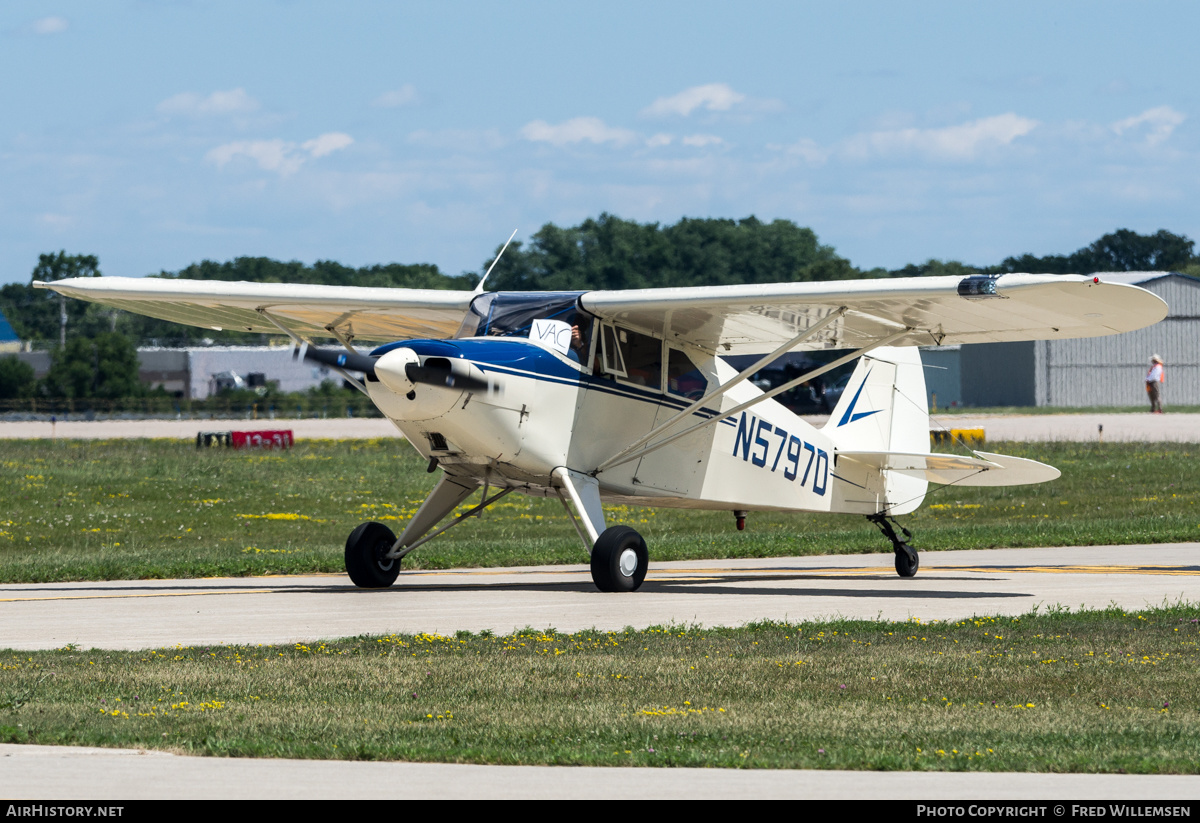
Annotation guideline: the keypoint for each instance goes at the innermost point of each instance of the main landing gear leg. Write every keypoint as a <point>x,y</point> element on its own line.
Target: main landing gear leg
<point>619,555</point>
<point>906,556</point>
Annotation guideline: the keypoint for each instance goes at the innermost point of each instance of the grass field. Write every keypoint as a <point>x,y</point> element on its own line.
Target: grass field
<point>1061,692</point>
<point>1074,692</point>
<point>82,510</point>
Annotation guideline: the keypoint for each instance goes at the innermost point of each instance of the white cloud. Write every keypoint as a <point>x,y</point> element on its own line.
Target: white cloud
<point>56,221</point>
<point>1157,123</point>
<point>577,130</point>
<point>712,97</point>
<point>190,104</point>
<point>327,143</point>
<point>280,156</point>
<point>272,155</point>
<point>402,96</point>
<point>808,150</point>
<point>962,142</point>
<point>49,25</point>
<point>594,130</point>
<point>460,140</point>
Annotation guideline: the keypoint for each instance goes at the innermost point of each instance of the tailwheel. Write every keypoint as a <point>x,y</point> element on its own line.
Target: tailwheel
<point>907,562</point>
<point>367,562</point>
<point>619,560</point>
<point>906,556</point>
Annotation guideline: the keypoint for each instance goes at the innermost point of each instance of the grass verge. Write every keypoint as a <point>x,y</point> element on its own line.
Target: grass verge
<point>1092,691</point>
<point>87,510</point>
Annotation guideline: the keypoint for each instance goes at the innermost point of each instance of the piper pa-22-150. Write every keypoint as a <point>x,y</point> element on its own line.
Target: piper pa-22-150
<point>623,395</point>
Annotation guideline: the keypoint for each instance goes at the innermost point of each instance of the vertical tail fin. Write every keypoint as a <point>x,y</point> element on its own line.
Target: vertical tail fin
<point>884,409</point>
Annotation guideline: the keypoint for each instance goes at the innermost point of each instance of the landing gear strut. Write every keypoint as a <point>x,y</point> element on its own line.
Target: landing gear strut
<point>906,556</point>
<point>373,553</point>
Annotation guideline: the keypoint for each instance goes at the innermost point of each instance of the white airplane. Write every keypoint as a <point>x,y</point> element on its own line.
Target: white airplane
<point>623,395</point>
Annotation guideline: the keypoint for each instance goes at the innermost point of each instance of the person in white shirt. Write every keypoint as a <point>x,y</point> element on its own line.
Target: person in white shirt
<point>1154,382</point>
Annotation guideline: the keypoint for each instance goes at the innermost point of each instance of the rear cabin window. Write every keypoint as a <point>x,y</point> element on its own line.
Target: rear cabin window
<point>643,359</point>
<point>684,377</point>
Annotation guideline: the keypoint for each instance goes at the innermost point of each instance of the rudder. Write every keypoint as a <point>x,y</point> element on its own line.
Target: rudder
<point>884,409</point>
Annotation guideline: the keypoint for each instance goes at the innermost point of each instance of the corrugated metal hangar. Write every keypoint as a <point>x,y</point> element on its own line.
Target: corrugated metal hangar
<point>1100,371</point>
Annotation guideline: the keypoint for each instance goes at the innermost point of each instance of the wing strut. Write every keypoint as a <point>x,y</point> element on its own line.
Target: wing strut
<point>342,337</point>
<point>300,341</point>
<point>618,460</point>
<point>722,389</point>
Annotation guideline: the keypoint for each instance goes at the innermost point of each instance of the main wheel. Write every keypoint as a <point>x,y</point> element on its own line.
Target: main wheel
<point>366,561</point>
<point>906,560</point>
<point>619,560</point>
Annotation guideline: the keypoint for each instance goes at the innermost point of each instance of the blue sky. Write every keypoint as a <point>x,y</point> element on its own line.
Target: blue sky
<point>157,134</point>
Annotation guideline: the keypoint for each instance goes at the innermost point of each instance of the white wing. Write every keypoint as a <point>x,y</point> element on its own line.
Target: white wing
<point>730,319</point>
<point>308,310</point>
<point>939,310</point>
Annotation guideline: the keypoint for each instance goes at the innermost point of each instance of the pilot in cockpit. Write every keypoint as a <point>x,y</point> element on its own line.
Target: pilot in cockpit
<point>579,336</point>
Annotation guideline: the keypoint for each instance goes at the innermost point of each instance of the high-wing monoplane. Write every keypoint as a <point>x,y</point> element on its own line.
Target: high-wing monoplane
<point>624,395</point>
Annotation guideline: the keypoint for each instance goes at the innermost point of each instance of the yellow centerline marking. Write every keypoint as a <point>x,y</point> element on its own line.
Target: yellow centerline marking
<point>1163,570</point>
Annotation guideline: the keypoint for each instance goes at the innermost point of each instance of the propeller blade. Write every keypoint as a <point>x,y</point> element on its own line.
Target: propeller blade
<point>438,375</point>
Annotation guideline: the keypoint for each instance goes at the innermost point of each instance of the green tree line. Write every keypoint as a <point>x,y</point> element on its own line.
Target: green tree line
<point>606,252</point>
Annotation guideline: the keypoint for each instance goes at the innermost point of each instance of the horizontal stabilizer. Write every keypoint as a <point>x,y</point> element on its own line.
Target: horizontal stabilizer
<point>1018,471</point>
<point>984,469</point>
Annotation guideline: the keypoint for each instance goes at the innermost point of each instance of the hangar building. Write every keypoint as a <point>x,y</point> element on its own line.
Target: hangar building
<point>197,373</point>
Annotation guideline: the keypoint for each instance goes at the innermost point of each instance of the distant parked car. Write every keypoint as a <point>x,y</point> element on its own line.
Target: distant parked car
<point>814,397</point>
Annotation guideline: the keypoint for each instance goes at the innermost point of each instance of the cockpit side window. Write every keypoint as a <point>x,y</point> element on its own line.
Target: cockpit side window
<point>643,359</point>
<point>630,356</point>
<point>612,364</point>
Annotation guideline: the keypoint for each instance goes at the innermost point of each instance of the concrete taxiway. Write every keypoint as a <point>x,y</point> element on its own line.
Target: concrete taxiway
<point>950,585</point>
<point>1117,427</point>
<point>134,614</point>
<point>39,772</point>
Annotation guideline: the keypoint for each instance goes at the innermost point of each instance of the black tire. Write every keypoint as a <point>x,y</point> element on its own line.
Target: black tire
<point>619,560</point>
<point>906,561</point>
<point>365,561</point>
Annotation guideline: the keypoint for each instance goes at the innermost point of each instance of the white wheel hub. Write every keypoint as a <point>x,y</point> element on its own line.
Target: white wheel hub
<point>628,563</point>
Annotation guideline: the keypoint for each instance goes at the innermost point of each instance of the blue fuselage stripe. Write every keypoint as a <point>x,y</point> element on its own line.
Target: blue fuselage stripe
<point>522,359</point>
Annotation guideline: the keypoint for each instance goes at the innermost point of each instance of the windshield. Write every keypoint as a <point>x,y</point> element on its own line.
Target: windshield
<point>511,314</point>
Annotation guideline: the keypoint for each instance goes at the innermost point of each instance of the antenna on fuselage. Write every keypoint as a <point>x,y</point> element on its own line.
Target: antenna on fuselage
<point>479,287</point>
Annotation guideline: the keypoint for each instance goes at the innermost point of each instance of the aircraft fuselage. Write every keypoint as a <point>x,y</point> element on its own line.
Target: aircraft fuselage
<point>545,410</point>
